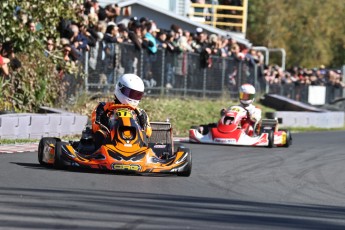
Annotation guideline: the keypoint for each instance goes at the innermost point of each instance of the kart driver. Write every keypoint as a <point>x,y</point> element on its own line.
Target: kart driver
<point>247,97</point>
<point>129,90</point>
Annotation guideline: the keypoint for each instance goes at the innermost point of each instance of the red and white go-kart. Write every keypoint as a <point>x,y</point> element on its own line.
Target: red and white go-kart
<point>230,131</point>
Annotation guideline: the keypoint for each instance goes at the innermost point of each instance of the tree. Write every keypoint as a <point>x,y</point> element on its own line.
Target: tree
<point>311,32</point>
<point>46,14</point>
<point>36,81</point>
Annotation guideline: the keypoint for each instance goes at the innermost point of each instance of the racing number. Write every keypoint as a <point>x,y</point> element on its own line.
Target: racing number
<point>235,109</point>
<point>123,113</point>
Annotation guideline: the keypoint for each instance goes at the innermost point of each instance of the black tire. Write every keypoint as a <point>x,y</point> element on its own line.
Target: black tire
<point>270,139</point>
<point>43,146</point>
<point>59,163</point>
<point>177,147</point>
<point>187,169</point>
<point>288,138</point>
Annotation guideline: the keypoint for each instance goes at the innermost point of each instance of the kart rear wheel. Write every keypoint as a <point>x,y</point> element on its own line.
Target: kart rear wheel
<point>288,138</point>
<point>43,148</point>
<point>187,169</point>
<point>199,128</point>
<point>59,163</point>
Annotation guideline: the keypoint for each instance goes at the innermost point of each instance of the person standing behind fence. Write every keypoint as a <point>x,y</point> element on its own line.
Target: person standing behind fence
<point>214,45</point>
<point>7,51</point>
<point>68,70</point>
<point>111,38</point>
<point>171,52</point>
<point>135,35</point>
<point>199,46</point>
<point>125,65</point>
<point>89,30</point>
<point>50,47</point>
<point>78,45</point>
<point>149,42</point>
<point>78,40</point>
<point>91,7</point>
<point>112,12</point>
<point>4,71</point>
<point>236,52</point>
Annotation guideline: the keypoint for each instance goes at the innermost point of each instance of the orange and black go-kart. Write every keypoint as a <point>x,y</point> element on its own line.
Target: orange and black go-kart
<point>126,150</point>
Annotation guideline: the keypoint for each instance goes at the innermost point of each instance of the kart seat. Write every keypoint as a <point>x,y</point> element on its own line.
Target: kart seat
<point>228,120</point>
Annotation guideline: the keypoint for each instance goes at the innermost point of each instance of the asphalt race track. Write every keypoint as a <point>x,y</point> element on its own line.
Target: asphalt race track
<point>301,187</point>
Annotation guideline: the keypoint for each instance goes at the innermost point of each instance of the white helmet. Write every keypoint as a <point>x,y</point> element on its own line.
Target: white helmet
<point>129,89</point>
<point>247,94</point>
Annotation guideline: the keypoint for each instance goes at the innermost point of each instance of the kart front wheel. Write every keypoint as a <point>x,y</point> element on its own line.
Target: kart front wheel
<point>44,148</point>
<point>59,163</point>
<point>288,138</point>
<point>186,170</point>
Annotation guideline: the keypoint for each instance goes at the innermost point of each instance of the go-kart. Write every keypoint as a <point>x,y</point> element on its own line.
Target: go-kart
<point>229,131</point>
<point>127,149</point>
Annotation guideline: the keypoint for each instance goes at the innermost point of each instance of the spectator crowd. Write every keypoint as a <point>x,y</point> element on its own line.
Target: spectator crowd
<point>98,29</point>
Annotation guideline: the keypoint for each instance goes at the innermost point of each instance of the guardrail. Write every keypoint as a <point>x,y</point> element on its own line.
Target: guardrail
<point>35,126</point>
<point>311,119</point>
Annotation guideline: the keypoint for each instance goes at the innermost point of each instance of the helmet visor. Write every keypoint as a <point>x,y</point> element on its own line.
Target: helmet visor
<point>246,96</point>
<point>130,93</point>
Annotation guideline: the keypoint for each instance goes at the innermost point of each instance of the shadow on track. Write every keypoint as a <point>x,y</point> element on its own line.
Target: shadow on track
<point>90,209</point>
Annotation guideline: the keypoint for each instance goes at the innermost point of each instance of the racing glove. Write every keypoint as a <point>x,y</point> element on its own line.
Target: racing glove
<point>143,119</point>
<point>99,112</point>
<point>256,115</point>
<point>222,112</point>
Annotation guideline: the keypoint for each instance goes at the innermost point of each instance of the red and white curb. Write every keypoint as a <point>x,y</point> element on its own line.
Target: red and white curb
<point>18,148</point>
<point>181,139</point>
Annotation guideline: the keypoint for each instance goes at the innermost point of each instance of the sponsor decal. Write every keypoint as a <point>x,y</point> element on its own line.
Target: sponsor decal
<point>126,167</point>
<point>159,146</point>
<point>263,139</point>
<point>225,141</point>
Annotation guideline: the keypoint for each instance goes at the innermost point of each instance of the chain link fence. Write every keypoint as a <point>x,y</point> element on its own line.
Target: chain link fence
<point>165,73</point>
<point>182,74</point>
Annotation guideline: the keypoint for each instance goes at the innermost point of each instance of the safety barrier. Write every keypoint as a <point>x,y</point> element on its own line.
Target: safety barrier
<point>36,126</point>
<point>311,119</point>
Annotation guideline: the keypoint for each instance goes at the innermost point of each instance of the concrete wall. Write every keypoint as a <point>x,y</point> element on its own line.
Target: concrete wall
<point>311,119</point>
<point>35,126</point>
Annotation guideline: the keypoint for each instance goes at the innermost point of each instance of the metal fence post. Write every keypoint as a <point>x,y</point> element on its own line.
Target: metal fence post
<point>240,73</point>
<point>163,72</point>
<point>223,74</point>
<point>86,71</point>
<point>141,67</point>
<point>204,84</point>
<point>343,77</point>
